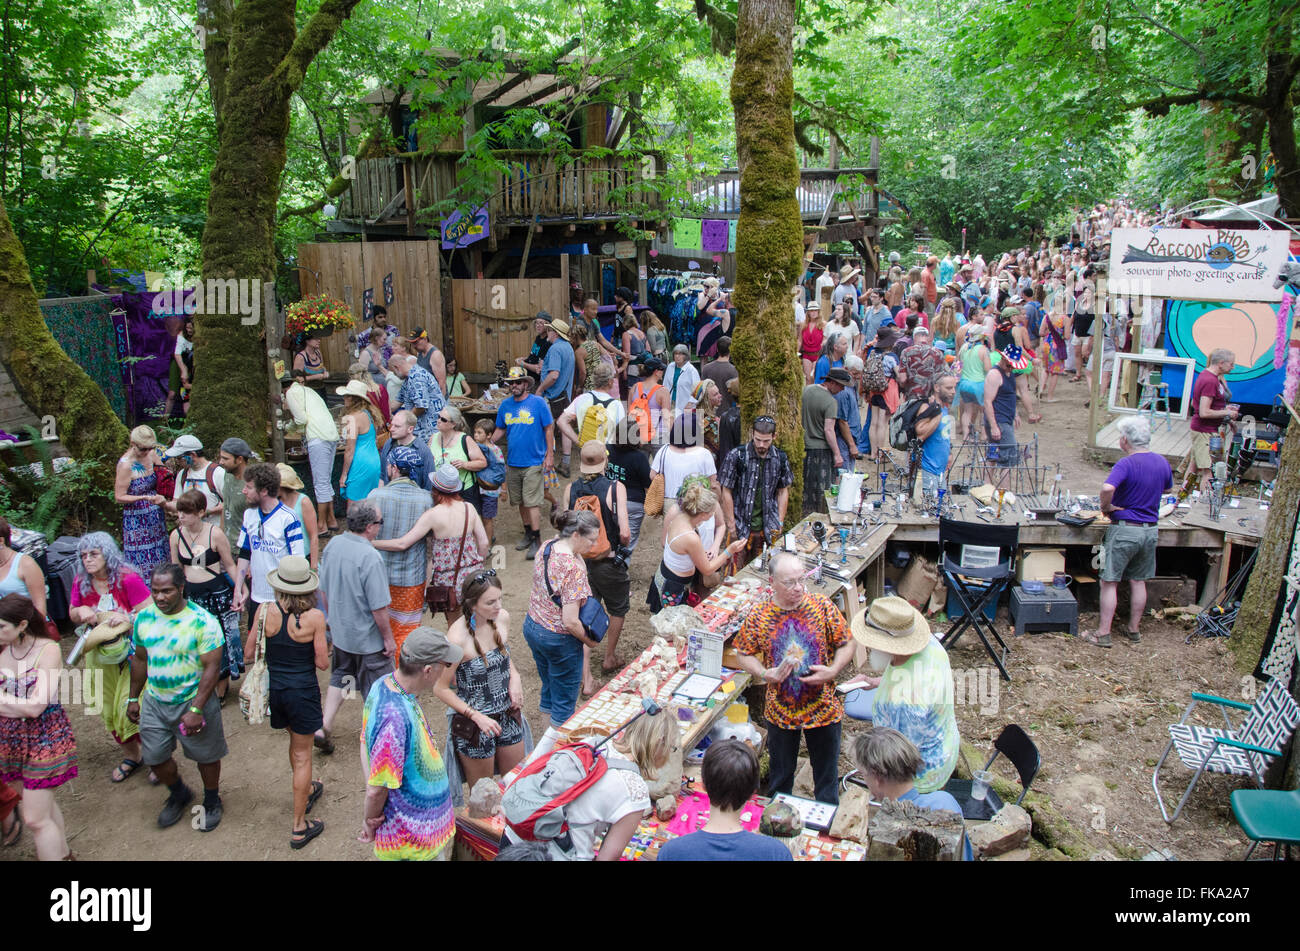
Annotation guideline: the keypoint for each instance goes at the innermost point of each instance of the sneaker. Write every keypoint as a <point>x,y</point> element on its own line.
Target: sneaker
<point>174,808</point>
<point>211,817</point>
<point>532,549</point>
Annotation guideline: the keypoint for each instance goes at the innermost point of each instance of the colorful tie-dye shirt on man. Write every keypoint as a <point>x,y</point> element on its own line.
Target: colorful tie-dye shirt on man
<point>811,633</point>
<point>176,644</point>
<point>418,819</point>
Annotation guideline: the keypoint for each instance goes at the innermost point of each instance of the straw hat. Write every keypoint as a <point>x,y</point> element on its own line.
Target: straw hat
<point>104,632</point>
<point>293,576</point>
<point>518,373</point>
<point>288,478</point>
<point>594,457</point>
<point>848,272</point>
<point>891,625</point>
<point>561,328</point>
<point>354,388</point>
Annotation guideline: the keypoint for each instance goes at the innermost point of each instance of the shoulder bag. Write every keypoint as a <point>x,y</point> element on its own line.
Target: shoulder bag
<point>595,622</point>
<point>444,597</point>
<point>255,691</point>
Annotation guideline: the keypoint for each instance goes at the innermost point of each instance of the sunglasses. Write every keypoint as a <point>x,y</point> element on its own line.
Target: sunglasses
<point>766,420</point>
<point>484,575</point>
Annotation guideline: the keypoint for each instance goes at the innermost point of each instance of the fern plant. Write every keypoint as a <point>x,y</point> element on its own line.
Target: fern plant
<point>44,497</point>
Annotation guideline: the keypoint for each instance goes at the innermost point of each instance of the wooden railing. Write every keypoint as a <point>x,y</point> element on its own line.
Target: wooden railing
<point>533,185</point>
<point>718,195</point>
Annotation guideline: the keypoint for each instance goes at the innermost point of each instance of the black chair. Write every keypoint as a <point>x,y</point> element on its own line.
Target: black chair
<point>1015,744</point>
<point>977,587</point>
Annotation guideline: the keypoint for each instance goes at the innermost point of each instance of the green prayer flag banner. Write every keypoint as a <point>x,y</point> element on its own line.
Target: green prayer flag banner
<point>686,234</point>
<point>731,234</point>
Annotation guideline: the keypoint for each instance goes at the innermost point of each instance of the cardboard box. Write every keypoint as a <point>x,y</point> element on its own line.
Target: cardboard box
<point>1039,564</point>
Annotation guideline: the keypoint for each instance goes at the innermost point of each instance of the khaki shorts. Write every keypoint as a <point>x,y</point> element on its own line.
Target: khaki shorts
<point>1201,457</point>
<point>524,483</point>
<point>1130,553</point>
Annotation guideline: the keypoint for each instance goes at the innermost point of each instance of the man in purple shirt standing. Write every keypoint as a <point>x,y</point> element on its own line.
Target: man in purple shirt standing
<point>1131,497</point>
<point>1209,411</point>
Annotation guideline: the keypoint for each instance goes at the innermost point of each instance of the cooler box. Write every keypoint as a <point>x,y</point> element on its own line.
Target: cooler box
<point>1049,608</point>
<point>954,607</point>
<point>1039,564</point>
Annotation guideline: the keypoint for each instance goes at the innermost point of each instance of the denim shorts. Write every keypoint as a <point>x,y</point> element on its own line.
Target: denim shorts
<point>559,665</point>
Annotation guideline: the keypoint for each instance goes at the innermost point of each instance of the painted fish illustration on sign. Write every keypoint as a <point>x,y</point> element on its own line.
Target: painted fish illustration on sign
<point>1219,255</point>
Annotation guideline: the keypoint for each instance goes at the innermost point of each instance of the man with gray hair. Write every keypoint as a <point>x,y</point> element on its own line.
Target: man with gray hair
<point>1210,411</point>
<point>1131,497</point>
<point>420,395</point>
<point>355,598</point>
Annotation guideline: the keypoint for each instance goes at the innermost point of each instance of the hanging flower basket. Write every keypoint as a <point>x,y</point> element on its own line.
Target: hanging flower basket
<point>318,316</point>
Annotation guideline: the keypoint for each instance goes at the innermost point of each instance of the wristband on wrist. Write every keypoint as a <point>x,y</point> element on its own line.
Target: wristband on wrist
<point>131,700</point>
<point>194,709</point>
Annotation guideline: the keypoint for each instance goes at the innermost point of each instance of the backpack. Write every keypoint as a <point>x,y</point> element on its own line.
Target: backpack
<point>495,473</point>
<point>534,804</point>
<point>639,409</point>
<point>211,482</point>
<point>902,425</point>
<point>874,378</point>
<point>586,495</point>
<point>595,423</point>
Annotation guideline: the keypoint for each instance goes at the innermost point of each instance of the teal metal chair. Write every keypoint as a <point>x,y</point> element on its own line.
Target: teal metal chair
<point>1154,399</point>
<point>1245,750</point>
<point>1268,815</point>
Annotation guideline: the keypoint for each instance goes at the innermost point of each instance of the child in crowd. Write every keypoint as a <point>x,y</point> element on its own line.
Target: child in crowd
<point>489,479</point>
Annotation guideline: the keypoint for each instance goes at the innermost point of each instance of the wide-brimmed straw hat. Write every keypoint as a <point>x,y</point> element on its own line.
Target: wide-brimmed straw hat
<point>891,625</point>
<point>354,388</point>
<point>289,479</point>
<point>561,328</point>
<point>293,576</point>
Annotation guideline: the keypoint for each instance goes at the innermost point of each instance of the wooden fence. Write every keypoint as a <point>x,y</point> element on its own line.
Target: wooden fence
<point>493,319</point>
<point>346,271</point>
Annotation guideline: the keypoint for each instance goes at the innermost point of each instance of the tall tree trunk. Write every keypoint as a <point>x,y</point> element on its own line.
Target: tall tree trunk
<point>255,62</point>
<point>47,379</point>
<point>1281,132</point>
<point>769,235</point>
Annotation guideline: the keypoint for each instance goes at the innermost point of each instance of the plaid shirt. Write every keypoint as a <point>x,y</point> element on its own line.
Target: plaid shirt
<point>401,503</point>
<point>740,474</point>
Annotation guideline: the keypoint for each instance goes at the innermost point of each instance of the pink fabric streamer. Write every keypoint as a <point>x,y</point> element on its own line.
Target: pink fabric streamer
<point>1292,386</point>
<point>1283,325</point>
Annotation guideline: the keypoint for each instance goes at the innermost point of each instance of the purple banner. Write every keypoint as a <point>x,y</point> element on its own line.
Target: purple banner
<point>460,231</point>
<point>142,333</point>
<point>713,235</point>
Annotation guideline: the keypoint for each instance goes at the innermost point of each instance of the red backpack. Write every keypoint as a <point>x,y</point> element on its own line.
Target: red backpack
<point>533,805</point>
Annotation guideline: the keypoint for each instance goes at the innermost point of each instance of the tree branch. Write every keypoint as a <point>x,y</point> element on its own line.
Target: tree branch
<point>1200,55</point>
<point>315,36</point>
<point>215,17</point>
<point>1160,105</point>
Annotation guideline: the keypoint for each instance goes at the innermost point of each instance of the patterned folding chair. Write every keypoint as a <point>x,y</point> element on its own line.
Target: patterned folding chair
<point>1242,751</point>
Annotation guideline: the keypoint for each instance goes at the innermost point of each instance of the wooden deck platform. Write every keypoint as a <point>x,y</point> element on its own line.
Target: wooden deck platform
<point>1173,442</point>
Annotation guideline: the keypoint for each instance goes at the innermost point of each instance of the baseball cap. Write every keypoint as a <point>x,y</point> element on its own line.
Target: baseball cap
<point>653,364</point>
<point>425,646</point>
<point>182,445</point>
<point>237,447</point>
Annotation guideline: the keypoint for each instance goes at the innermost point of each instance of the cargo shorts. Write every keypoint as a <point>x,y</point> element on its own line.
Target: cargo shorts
<point>1130,553</point>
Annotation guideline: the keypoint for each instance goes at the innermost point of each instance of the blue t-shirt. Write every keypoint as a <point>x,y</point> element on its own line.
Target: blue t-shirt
<point>847,401</point>
<point>560,359</point>
<point>935,450</point>
<point>1139,479</point>
<point>824,366</point>
<point>724,847</point>
<point>525,423</point>
<point>939,800</point>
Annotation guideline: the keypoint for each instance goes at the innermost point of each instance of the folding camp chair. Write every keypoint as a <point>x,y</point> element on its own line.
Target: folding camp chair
<point>1268,815</point>
<point>1265,732</point>
<point>1015,744</point>
<point>976,586</point>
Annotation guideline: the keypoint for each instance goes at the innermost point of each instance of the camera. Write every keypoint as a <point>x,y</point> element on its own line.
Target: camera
<point>622,555</point>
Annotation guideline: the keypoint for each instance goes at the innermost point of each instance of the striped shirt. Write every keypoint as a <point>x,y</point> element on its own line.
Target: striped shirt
<point>176,644</point>
<point>401,503</point>
<point>264,540</point>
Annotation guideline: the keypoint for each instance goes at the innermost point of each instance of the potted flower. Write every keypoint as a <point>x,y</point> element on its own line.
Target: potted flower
<point>317,316</point>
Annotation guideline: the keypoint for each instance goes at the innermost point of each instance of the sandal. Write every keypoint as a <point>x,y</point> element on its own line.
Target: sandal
<point>317,788</point>
<point>15,831</point>
<point>314,828</point>
<point>323,743</point>
<point>1090,637</point>
<point>125,769</point>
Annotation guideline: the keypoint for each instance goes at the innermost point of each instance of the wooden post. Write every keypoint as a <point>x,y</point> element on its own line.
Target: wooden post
<point>528,247</point>
<point>642,267</point>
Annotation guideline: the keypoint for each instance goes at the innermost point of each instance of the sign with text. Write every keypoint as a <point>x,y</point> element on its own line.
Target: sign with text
<point>460,231</point>
<point>1197,263</point>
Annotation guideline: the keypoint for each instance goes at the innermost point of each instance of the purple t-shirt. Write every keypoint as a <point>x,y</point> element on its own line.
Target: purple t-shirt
<point>1139,479</point>
<point>1207,384</point>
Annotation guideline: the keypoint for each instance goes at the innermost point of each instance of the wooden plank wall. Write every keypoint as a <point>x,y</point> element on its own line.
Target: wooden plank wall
<point>505,331</point>
<point>346,270</point>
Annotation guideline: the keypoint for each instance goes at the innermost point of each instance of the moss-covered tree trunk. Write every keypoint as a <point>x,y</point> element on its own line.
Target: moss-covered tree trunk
<point>255,60</point>
<point>47,379</point>
<point>769,235</point>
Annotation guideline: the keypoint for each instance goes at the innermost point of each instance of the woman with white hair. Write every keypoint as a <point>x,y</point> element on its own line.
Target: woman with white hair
<point>107,593</point>
<point>136,489</point>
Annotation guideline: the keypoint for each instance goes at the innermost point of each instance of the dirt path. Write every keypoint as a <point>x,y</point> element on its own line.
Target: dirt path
<point>1098,717</point>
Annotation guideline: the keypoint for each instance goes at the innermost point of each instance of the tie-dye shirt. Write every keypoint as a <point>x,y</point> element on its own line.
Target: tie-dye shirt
<point>811,634</point>
<point>418,818</point>
<point>176,644</point>
<point>916,699</point>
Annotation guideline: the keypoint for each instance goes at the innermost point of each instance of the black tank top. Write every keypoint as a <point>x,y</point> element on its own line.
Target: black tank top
<point>292,664</point>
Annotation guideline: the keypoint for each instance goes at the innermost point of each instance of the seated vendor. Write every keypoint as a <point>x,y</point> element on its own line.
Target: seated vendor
<point>914,695</point>
<point>730,775</point>
<point>889,762</point>
<point>612,807</point>
<point>310,360</point>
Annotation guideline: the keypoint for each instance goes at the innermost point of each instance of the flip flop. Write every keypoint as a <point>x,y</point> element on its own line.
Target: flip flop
<point>317,788</point>
<point>15,831</point>
<point>314,828</point>
<point>1090,637</point>
<point>124,770</point>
